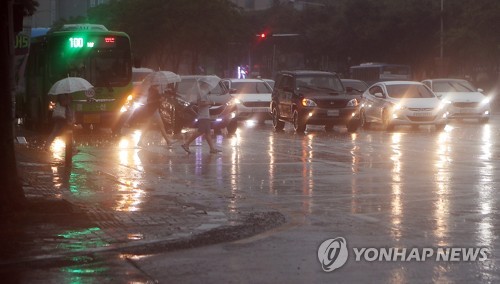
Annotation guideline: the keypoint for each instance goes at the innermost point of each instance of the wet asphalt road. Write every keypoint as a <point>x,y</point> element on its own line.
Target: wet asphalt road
<point>403,189</point>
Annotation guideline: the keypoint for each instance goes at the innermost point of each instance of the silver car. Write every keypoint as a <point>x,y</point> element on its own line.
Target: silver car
<point>402,103</point>
<point>252,98</point>
<point>465,100</point>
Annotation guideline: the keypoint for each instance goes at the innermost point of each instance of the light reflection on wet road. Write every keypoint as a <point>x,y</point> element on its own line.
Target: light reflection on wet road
<point>409,188</point>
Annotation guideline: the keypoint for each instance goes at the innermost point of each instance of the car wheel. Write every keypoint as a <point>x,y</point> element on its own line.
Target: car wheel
<point>277,123</point>
<point>329,127</point>
<point>232,126</point>
<point>440,127</point>
<point>362,120</point>
<point>298,122</point>
<point>388,126</point>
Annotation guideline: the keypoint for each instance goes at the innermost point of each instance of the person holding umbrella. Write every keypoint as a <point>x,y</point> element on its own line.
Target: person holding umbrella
<point>62,119</point>
<point>154,100</point>
<point>204,121</point>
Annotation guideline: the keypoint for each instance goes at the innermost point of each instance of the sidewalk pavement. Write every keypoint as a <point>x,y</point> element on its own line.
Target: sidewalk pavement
<point>56,228</point>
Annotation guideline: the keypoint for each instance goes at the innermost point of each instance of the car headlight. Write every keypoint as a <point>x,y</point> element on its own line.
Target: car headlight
<point>352,103</point>
<point>485,101</point>
<point>444,104</point>
<point>398,107</point>
<point>182,102</point>
<point>231,102</point>
<point>308,103</point>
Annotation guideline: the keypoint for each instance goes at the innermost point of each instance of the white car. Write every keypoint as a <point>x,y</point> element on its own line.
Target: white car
<point>465,100</point>
<point>252,98</point>
<point>402,103</point>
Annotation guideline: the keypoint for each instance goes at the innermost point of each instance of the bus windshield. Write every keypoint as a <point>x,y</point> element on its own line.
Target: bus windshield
<point>394,72</point>
<point>102,67</point>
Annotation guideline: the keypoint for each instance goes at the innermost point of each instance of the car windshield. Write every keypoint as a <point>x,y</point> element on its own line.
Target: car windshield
<point>326,82</point>
<point>409,91</point>
<point>452,86</point>
<point>251,87</point>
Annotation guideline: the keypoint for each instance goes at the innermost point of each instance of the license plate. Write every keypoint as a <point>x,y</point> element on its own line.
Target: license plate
<point>422,113</point>
<point>332,112</point>
<point>260,110</point>
<point>466,110</point>
<point>91,118</point>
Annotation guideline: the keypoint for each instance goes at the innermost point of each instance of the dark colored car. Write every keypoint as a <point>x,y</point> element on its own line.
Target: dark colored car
<point>180,111</point>
<point>312,97</point>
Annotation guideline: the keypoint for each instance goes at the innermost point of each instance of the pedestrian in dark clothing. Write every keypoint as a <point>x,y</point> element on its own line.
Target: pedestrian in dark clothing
<point>204,121</point>
<point>152,112</point>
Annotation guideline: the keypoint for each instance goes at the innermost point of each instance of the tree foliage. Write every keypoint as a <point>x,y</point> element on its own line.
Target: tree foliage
<point>342,32</point>
<point>165,31</point>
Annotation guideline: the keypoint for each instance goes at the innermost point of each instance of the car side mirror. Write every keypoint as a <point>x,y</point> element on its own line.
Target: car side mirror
<point>480,90</point>
<point>439,96</point>
<point>379,95</point>
<point>233,91</point>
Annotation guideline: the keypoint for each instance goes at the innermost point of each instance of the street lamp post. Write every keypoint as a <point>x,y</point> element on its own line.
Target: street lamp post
<point>441,33</point>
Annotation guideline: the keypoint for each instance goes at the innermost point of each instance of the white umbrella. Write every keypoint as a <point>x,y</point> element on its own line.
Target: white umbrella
<point>211,80</point>
<point>70,85</point>
<point>192,93</point>
<point>162,78</point>
<point>157,78</point>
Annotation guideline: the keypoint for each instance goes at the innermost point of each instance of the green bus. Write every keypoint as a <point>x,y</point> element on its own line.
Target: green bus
<point>90,51</point>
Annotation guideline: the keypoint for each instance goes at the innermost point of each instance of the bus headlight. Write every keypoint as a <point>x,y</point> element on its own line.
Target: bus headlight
<point>52,105</point>
<point>128,103</point>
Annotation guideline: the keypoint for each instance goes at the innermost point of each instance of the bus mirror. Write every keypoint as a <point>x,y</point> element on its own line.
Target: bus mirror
<point>379,95</point>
